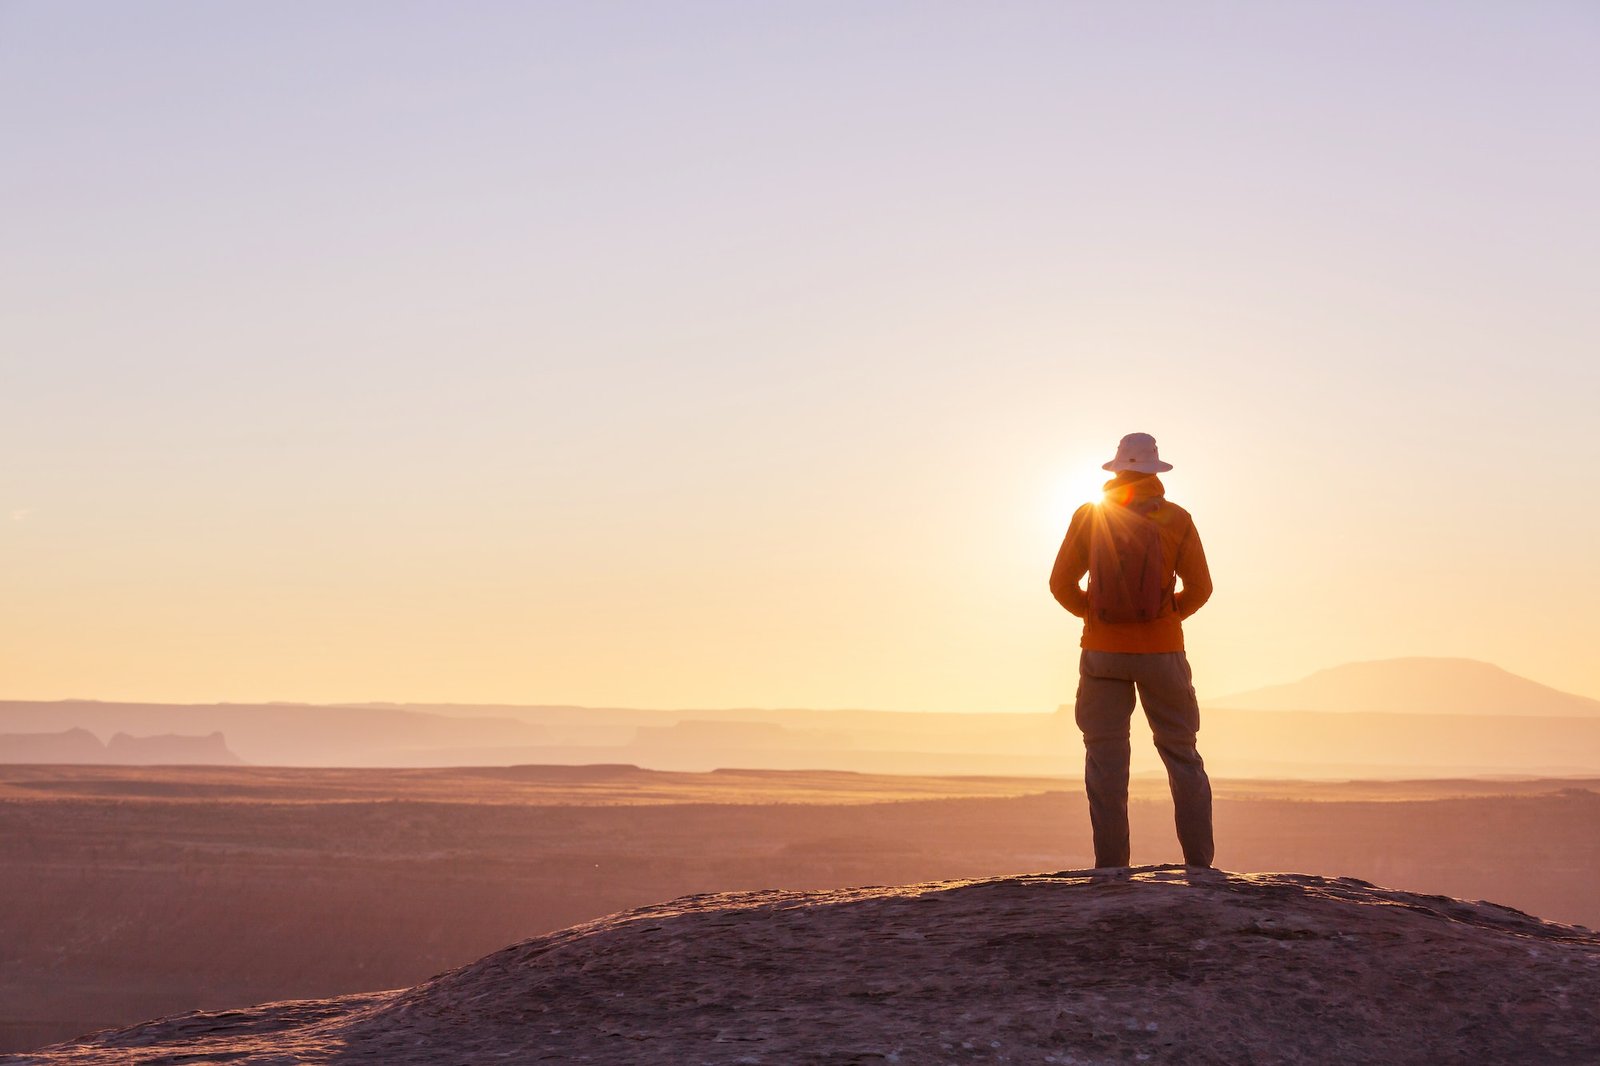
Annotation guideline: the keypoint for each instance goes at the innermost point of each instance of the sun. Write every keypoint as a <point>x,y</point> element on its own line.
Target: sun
<point>1078,483</point>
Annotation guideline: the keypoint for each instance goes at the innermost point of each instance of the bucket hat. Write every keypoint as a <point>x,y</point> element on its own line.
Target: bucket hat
<point>1137,451</point>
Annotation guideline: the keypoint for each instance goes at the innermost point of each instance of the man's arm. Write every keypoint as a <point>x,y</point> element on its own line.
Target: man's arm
<point>1195,575</point>
<point>1072,562</point>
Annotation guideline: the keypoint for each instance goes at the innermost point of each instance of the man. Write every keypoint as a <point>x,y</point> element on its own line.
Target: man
<point>1135,547</point>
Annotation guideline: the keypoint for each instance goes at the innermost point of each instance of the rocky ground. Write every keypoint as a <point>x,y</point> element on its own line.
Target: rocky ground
<point>1158,965</point>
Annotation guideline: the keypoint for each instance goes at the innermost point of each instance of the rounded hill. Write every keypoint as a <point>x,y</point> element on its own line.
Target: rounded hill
<point>1157,965</point>
<point>1416,686</point>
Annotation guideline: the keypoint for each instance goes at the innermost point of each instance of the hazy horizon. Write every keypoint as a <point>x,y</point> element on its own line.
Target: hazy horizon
<point>725,356</point>
<point>1439,718</point>
<point>1254,691</point>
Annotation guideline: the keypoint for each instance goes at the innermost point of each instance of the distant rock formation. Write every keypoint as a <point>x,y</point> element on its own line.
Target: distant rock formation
<point>1416,686</point>
<point>275,734</point>
<point>68,746</point>
<point>1159,965</point>
<point>170,749</point>
<point>79,746</point>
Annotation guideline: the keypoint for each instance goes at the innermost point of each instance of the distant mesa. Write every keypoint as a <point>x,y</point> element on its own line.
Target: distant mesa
<point>79,746</point>
<point>67,746</point>
<point>288,734</point>
<point>170,749</point>
<point>1416,686</point>
<point>1159,965</point>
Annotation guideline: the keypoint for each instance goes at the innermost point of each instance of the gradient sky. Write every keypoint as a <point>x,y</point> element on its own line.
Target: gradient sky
<point>729,354</point>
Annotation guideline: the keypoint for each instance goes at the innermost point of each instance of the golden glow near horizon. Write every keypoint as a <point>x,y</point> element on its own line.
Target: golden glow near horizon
<point>535,356</point>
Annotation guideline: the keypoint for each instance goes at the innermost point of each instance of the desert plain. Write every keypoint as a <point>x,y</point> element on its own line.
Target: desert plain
<point>130,893</point>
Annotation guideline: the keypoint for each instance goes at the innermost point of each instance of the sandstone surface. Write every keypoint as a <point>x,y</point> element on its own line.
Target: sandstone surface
<point>1157,965</point>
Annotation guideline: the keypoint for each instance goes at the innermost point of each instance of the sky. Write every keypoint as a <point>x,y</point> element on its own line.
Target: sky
<point>730,355</point>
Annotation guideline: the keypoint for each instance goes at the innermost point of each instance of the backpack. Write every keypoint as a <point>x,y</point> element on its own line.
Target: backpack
<point>1128,569</point>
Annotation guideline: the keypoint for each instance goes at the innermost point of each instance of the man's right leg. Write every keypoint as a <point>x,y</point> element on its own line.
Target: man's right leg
<point>1103,710</point>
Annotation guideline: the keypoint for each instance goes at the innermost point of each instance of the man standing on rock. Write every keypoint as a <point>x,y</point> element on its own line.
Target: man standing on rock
<point>1135,546</point>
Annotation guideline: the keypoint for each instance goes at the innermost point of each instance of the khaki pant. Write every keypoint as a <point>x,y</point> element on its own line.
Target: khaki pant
<point>1106,684</point>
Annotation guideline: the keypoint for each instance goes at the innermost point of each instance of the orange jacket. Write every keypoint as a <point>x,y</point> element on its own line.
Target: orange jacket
<point>1180,544</point>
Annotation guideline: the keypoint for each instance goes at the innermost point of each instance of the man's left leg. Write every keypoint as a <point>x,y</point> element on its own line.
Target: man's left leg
<point>1103,710</point>
<point>1166,690</point>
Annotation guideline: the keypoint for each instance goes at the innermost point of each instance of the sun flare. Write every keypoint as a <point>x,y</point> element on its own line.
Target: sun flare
<point>1079,484</point>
